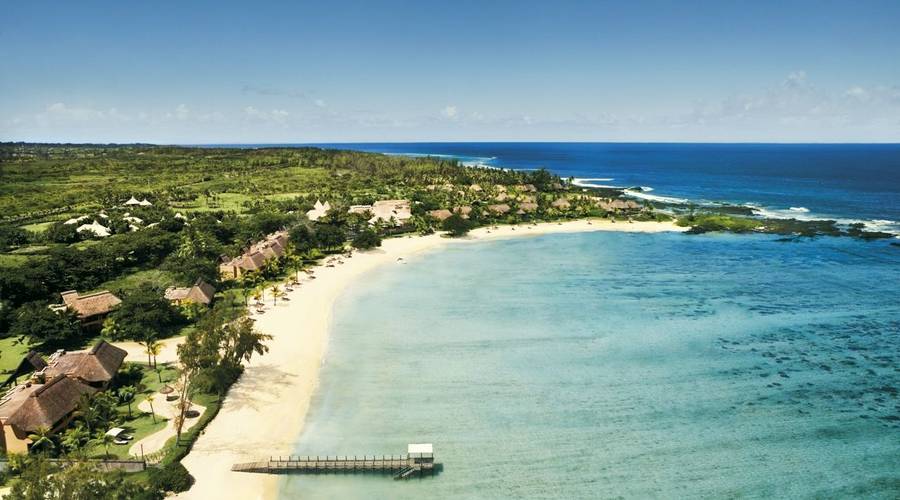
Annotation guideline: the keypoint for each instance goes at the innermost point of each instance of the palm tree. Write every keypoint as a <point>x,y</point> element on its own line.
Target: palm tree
<point>126,394</point>
<point>276,294</point>
<point>75,437</point>
<point>42,438</point>
<point>258,295</point>
<point>152,413</point>
<point>154,347</point>
<point>248,281</point>
<point>87,412</point>
<point>105,439</point>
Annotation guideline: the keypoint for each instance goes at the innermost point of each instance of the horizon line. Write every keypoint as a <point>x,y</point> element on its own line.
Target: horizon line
<point>212,143</point>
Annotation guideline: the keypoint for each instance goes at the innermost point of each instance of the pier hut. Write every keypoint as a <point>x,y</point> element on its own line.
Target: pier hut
<point>420,453</point>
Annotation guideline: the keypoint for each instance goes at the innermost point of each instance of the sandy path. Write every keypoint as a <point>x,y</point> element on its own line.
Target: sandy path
<point>138,354</point>
<point>264,411</point>
<point>167,410</point>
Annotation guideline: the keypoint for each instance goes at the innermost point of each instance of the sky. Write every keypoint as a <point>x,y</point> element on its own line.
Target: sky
<point>490,70</point>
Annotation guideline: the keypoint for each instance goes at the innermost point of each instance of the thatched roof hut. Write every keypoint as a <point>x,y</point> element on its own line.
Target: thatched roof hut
<point>441,214</point>
<point>528,207</point>
<point>201,293</point>
<point>96,366</point>
<point>561,203</point>
<point>91,305</point>
<point>499,209</point>
<point>463,211</point>
<point>31,406</point>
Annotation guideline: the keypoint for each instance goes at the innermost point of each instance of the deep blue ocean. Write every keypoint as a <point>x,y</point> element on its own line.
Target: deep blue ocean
<point>845,182</point>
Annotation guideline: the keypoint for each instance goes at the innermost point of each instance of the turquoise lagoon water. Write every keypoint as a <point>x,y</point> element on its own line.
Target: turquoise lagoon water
<point>620,365</point>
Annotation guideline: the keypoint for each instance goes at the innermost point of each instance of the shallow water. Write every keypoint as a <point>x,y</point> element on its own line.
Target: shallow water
<point>620,365</point>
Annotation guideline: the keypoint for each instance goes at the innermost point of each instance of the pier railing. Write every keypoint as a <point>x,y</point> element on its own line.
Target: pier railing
<point>401,466</point>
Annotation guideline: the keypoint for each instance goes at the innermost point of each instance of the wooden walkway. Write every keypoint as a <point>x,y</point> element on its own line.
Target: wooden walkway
<point>400,466</point>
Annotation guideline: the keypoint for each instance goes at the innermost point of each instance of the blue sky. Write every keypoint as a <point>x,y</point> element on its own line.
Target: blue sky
<point>245,72</point>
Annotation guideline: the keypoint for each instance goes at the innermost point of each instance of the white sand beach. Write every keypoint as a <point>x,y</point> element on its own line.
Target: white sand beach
<point>264,411</point>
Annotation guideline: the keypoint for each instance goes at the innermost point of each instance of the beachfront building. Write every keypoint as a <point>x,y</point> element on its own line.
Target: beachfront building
<point>499,209</point>
<point>51,395</point>
<point>561,204</point>
<point>201,293</point>
<point>527,207</point>
<point>318,211</point>
<point>91,309</point>
<point>255,257</point>
<point>94,367</point>
<point>397,212</point>
<point>31,406</point>
<point>441,214</point>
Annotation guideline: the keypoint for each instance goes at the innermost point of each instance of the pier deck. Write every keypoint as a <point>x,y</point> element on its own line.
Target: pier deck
<point>401,466</point>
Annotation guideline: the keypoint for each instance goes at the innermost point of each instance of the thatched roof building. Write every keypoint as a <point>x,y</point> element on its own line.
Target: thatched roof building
<point>96,366</point>
<point>90,308</point>
<point>528,207</point>
<point>499,209</point>
<point>253,259</point>
<point>441,214</point>
<point>386,210</point>
<point>561,204</point>
<point>201,293</point>
<point>463,211</point>
<point>28,407</point>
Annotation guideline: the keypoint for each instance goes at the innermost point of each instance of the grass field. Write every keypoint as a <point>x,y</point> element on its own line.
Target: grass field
<point>11,353</point>
<point>154,277</point>
<point>140,424</point>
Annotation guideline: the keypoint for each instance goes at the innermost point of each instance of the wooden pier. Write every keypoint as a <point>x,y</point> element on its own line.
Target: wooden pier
<point>417,462</point>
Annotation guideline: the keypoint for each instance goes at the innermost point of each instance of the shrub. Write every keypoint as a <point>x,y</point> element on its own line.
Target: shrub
<point>455,225</point>
<point>366,239</point>
<point>171,477</point>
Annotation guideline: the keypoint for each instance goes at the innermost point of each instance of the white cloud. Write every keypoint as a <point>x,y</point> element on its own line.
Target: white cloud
<point>320,103</point>
<point>795,79</point>
<point>450,112</point>
<point>857,93</point>
<point>182,112</point>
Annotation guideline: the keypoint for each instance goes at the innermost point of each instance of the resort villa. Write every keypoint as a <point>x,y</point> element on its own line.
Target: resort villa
<point>201,293</point>
<point>49,398</point>
<point>96,228</point>
<point>318,211</point>
<point>91,309</point>
<point>255,257</point>
<point>396,211</point>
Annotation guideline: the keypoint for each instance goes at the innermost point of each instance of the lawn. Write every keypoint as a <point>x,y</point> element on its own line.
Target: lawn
<point>222,201</point>
<point>39,227</point>
<point>13,260</point>
<point>140,424</point>
<point>11,353</point>
<point>154,277</point>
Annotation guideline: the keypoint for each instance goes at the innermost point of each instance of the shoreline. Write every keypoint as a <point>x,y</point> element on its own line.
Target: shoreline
<point>274,393</point>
